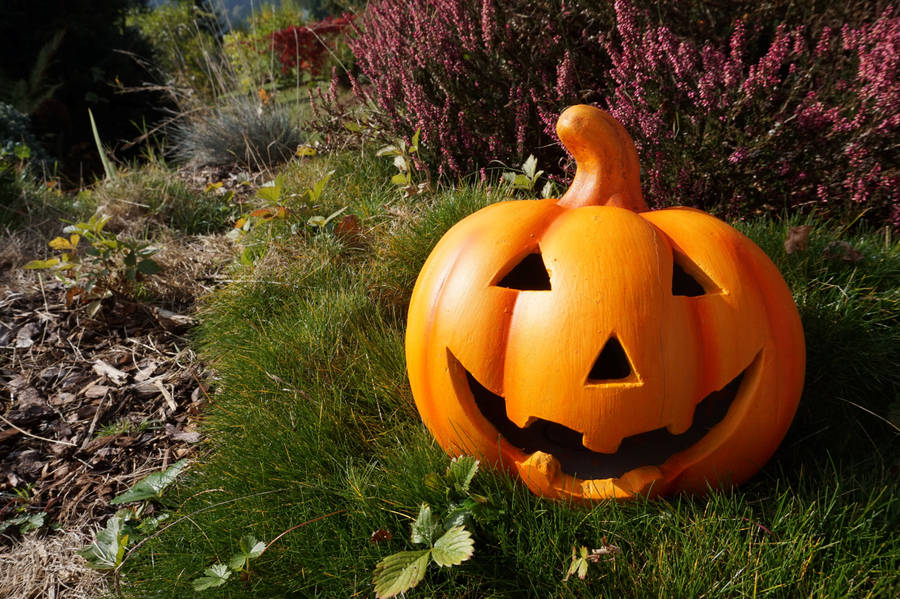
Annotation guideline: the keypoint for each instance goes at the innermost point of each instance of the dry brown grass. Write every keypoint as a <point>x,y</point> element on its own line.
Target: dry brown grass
<point>48,567</point>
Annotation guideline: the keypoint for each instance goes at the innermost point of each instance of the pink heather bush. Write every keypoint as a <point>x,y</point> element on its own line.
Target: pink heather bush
<point>475,75</point>
<point>808,123</point>
<point>759,119</point>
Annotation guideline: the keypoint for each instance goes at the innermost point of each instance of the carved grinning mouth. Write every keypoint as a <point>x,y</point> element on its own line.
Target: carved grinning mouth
<point>652,448</point>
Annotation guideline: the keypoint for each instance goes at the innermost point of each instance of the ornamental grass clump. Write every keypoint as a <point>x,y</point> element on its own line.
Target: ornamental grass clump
<point>729,112</point>
<point>242,132</point>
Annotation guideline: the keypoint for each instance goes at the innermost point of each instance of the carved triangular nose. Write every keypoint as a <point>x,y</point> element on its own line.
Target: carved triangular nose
<point>612,363</point>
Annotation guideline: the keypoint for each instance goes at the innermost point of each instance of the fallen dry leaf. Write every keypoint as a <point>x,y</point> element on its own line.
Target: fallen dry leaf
<point>797,239</point>
<point>841,250</point>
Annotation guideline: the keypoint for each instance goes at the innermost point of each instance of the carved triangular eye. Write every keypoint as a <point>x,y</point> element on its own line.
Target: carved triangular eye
<point>529,274</point>
<point>612,363</point>
<point>688,279</point>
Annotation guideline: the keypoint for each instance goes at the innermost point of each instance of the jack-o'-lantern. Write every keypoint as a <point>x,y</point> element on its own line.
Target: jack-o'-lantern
<point>600,349</point>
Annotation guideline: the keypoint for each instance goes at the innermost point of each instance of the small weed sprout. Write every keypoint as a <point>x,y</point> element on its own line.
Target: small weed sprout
<point>582,557</point>
<point>448,541</point>
<point>403,160</point>
<point>218,574</point>
<point>528,178</point>
<point>273,207</point>
<point>107,552</point>
<point>25,522</point>
<point>102,266</point>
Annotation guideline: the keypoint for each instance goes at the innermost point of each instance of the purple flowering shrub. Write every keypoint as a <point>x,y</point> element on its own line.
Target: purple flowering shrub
<point>807,123</point>
<point>473,74</point>
<point>750,118</point>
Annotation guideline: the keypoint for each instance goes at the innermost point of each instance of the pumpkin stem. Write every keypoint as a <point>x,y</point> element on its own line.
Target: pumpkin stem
<point>607,172</point>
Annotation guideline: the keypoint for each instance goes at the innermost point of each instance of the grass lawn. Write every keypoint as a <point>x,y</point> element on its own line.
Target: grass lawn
<point>311,421</point>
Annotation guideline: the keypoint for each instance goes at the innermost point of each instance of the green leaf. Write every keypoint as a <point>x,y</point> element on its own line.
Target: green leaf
<point>415,141</point>
<point>529,166</point>
<point>454,547</point>
<point>400,179</point>
<point>251,547</point>
<point>25,523</point>
<point>459,513</point>
<point>216,576</point>
<point>106,552</point>
<point>461,471</point>
<point>424,528</point>
<point>316,191</point>
<point>148,266</point>
<point>522,182</point>
<point>400,572</point>
<point>152,486</point>
<point>316,221</point>
<point>547,191</point>
<point>351,126</point>
<point>108,167</point>
<point>151,524</point>
<point>22,151</point>
<point>237,562</point>
<point>271,191</point>
<point>579,564</point>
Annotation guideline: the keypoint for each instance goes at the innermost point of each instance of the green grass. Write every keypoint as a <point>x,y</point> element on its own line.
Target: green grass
<point>311,416</point>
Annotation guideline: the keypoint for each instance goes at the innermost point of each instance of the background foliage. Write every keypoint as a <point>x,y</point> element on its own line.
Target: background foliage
<point>57,59</point>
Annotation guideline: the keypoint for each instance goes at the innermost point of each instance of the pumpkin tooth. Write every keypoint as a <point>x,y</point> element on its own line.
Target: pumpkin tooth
<point>605,444</point>
<point>541,468</point>
<point>640,480</point>
<point>681,424</point>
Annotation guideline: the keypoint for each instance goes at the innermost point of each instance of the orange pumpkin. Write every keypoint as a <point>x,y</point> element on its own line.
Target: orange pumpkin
<point>600,349</point>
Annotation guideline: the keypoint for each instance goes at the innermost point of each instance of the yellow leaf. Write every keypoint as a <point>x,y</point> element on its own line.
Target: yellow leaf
<point>60,243</point>
<point>213,186</point>
<point>39,264</point>
<point>74,238</point>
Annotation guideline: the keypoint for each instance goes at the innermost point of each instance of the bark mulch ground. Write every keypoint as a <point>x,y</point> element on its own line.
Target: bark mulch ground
<point>89,405</point>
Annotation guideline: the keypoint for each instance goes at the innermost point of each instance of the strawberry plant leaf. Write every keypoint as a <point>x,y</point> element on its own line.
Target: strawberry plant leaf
<point>529,166</point>
<point>41,264</point>
<point>424,528</point>
<point>108,548</point>
<point>461,471</point>
<point>237,562</point>
<point>216,576</point>
<point>152,486</point>
<point>251,547</point>
<point>454,547</point>
<point>400,572</point>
